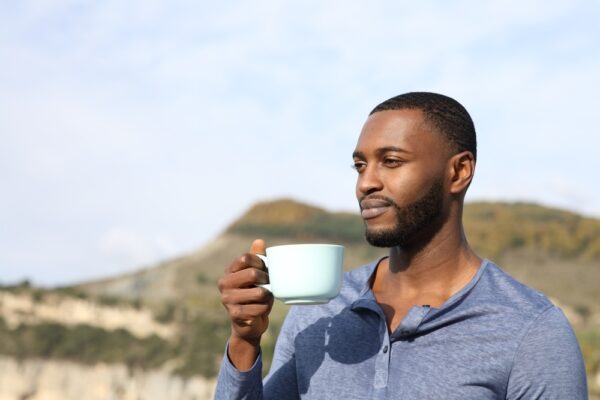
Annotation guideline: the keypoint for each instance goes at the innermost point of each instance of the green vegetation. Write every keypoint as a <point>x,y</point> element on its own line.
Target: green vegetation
<point>199,349</point>
<point>39,294</point>
<point>84,344</point>
<point>497,228</point>
<point>589,341</point>
<point>347,228</point>
<point>25,286</point>
<point>202,279</point>
<point>201,346</point>
<point>166,313</point>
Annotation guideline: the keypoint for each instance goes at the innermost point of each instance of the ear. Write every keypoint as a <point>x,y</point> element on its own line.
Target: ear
<point>461,168</point>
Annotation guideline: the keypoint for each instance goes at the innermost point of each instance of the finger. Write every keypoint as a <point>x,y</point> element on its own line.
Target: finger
<point>258,247</point>
<point>247,278</point>
<point>253,295</point>
<point>246,260</point>
<point>244,312</point>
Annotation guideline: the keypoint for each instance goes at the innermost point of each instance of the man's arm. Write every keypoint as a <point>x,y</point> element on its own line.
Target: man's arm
<point>234,384</point>
<point>548,364</point>
<point>280,384</point>
<point>248,307</point>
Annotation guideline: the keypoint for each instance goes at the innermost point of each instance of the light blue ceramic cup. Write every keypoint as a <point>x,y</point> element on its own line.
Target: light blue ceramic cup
<point>304,273</point>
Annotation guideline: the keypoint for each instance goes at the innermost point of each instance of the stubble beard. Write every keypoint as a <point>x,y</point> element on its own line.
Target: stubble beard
<point>411,220</point>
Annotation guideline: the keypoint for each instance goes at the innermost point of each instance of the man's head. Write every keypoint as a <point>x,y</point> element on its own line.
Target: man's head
<point>415,158</point>
<point>443,113</point>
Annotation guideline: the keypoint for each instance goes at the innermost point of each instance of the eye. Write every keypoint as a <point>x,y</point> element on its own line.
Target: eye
<point>392,162</point>
<point>359,166</point>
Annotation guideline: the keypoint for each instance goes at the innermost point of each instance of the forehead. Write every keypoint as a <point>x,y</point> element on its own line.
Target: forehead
<point>405,129</point>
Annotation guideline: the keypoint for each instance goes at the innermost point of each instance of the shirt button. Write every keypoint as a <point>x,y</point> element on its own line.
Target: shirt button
<point>385,349</point>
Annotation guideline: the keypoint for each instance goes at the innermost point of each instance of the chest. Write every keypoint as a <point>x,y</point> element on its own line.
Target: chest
<point>357,357</point>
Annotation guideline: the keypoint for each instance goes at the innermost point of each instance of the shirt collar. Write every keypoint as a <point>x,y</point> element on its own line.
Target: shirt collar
<point>366,298</point>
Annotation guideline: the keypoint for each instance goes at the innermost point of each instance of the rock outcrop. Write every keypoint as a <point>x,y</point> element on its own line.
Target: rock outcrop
<point>23,309</point>
<point>60,380</point>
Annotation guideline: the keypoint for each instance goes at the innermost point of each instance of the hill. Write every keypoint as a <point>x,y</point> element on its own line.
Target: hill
<point>552,250</point>
<point>555,251</point>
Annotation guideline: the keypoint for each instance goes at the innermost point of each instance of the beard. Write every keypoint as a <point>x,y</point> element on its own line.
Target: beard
<point>411,220</point>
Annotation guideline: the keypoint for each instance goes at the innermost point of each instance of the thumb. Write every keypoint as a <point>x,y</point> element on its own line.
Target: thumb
<point>258,247</point>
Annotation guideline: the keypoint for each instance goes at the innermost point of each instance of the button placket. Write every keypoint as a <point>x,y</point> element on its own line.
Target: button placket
<point>382,364</point>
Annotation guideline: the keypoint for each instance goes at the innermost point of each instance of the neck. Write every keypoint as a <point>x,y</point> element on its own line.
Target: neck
<point>430,272</point>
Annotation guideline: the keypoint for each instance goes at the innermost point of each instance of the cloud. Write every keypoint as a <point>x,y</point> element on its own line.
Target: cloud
<point>168,119</point>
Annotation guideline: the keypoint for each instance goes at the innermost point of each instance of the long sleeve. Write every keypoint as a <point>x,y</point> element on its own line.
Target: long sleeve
<point>548,364</point>
<point>233,384</point>
<point>280,384</point>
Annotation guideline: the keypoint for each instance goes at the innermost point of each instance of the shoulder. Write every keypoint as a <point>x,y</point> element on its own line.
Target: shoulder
<point>545,354</point>
<point>512,308</point>
<point>509,295</point>
<point>548,360</point>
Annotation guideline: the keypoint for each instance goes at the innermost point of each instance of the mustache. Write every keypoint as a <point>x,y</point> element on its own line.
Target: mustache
<point>377,197</point>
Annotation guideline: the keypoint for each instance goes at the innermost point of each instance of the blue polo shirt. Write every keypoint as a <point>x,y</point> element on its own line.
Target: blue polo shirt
<point>494,339</point>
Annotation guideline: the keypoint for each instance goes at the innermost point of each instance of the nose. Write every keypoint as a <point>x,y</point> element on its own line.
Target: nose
<point>368,181</point>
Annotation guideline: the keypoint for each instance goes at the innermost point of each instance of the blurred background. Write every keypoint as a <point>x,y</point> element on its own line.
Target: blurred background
<point>144,144</point>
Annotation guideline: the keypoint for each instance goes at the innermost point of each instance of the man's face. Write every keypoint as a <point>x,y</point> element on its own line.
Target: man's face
<point>401,166</point>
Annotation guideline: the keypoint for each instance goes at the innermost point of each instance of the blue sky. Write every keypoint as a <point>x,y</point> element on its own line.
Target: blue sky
<point>136,131</point>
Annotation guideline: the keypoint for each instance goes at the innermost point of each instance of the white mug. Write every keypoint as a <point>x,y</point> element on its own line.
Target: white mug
<point>304,273</point>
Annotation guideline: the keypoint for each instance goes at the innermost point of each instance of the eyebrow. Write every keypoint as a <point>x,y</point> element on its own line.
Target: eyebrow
<point>381,150</point>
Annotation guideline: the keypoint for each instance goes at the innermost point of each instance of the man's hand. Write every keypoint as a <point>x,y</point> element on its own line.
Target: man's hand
<point>248,305</point>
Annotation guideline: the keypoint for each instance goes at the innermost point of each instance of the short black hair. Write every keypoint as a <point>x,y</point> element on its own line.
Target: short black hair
<point>444,113</point>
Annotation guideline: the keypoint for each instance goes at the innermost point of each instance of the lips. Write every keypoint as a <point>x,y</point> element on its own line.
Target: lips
<point>373,208</point>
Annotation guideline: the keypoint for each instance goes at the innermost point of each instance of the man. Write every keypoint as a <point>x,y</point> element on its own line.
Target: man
<point>430,321</point>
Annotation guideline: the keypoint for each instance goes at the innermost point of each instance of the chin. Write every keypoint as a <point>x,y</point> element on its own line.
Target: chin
<point>383,237</point>
<point>378,230</point>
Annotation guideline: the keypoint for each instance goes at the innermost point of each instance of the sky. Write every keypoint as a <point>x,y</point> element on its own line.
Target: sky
<point>133,132</point>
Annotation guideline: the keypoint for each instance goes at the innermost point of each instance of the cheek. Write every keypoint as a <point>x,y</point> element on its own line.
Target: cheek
<point>407,188</point>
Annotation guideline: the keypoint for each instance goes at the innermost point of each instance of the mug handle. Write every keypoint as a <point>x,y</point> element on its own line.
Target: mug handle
<point>264,285</point>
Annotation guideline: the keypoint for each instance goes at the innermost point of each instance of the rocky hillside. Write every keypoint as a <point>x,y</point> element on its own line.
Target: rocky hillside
<point>37,379</point>
<point>21,308</point>
<point>165,326</point>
